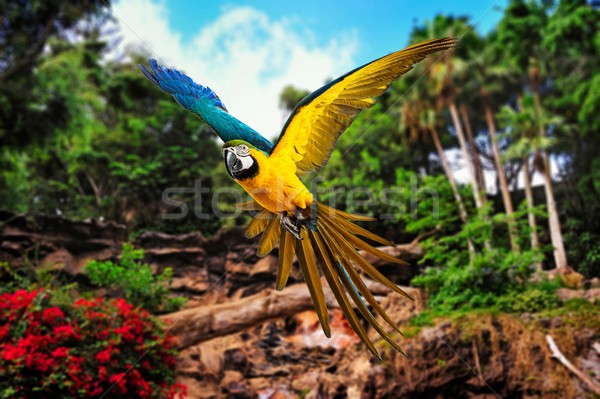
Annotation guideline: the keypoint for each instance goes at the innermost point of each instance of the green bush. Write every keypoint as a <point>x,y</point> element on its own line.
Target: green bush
<point>135,281</point>
<point>531,300</point>
<point>478,284</point>
<point>455,281</point>
<point>583,248</point>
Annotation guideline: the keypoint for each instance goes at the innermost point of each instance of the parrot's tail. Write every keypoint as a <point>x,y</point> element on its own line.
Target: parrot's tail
<point>333,247</point>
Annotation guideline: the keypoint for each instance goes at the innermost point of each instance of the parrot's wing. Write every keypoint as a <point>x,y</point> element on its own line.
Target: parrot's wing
<point>316,123</point>
<point>205,104</point>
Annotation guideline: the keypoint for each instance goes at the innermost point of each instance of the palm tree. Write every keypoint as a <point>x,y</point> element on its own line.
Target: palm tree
<point>466,121</point>
<point>484,78</point>
<point>519,36</point>
<point>440,78</point>
<point>523,126</point>
<point>420,120</point>
<point>560,256</point>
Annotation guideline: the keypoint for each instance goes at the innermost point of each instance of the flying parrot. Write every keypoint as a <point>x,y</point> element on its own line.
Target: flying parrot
<point>322,238</point>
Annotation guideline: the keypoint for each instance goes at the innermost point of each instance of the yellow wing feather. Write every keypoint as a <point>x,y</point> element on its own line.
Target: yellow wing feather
<point>259,223</point>
<point>315,125</point>
<point>269,237</point>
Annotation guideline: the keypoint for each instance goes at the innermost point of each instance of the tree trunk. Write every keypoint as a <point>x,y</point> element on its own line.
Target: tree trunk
<point>508,205</point>
<point>475,153</point>
<point>477,192</point>
<point>535,243</point>
<point>462,211</point>
<point>560,257</point>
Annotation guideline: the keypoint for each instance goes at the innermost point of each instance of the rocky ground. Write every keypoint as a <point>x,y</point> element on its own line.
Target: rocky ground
<point>239,339</point>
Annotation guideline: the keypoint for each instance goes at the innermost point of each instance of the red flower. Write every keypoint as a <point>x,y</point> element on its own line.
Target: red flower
<point>11,352</point>
<point>60,352</point>
<point>4,331</point>
<point>63,332</point>
<point>103,356</point>
<point>125,332</point>
<point>51,314</point>
<point>40,355</point>
<point>120,380</point>
<point>39,361</point>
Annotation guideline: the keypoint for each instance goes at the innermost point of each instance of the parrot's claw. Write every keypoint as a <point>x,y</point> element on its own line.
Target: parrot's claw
<point>292,224</point>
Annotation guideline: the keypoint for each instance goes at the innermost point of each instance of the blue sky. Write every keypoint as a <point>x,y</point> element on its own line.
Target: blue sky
<point>248,51</point>
<point>381,28</point>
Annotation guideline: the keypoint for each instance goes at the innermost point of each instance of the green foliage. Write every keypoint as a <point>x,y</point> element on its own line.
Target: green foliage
<point>33,106</point>
<point>584,249</point>
<point>478,284</point>
<point>135,281</point>
<point>120,144</point>
<point>290,96</point>
<point>457,280</point>
<point>531,300</point>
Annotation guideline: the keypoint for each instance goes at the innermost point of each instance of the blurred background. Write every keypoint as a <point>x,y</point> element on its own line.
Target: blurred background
<point>483,164</point>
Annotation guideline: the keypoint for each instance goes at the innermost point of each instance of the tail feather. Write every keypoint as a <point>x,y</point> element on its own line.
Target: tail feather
<point>344,215</point>
<point>285,259</point>
<point>333,248</point>
<point>308,265</point>
<point>352,291</point>
<point>334,284</point>
<point>358,283</point>
<point>357,230</point>
<point>348,249</point>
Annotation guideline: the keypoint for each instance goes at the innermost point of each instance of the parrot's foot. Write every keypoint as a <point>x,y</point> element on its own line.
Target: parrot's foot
<point>292,224</point>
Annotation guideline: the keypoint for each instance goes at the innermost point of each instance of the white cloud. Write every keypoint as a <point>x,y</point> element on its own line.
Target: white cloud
<point>244,56</point>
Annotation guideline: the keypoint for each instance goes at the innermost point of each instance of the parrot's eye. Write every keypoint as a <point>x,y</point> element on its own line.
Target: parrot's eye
<point>243,150</point>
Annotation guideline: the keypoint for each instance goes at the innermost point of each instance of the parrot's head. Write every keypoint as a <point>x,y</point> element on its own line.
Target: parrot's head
<point>240,159</point>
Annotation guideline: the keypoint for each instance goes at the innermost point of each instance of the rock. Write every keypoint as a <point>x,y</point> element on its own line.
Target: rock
<point>593,283</point>
<point>592,295</point>
<point>193,284</point>
<point>58,243</point>
<point>175,257</point>
<point>568,276</point>
<point>235,359</point>
<point>234,385</point>
<point>155,239</point>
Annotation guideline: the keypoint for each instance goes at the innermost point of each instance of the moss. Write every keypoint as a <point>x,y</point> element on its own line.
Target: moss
<point>411,331</point>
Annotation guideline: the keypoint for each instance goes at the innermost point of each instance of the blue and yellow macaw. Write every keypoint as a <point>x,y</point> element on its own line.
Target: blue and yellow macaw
<point>321,237</point>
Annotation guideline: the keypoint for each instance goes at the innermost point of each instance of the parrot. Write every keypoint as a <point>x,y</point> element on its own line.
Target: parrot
<point>324,240</point>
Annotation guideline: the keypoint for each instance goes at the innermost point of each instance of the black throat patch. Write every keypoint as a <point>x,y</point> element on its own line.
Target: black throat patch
<point>249,173</point>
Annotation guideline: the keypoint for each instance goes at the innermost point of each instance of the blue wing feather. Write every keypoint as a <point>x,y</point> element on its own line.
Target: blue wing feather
<point>205,103</point>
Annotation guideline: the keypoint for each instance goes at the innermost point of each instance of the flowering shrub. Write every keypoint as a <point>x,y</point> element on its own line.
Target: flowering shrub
<point>82,350</point>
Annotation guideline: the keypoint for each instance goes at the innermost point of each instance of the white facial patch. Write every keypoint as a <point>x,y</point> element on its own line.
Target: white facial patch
<point>246,161</point>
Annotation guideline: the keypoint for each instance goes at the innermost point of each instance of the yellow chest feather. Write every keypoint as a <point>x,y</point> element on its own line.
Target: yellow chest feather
<point>276,187</point>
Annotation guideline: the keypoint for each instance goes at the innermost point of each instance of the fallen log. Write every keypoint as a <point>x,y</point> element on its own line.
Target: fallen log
<point>556,353</point>
<point>192,326</point>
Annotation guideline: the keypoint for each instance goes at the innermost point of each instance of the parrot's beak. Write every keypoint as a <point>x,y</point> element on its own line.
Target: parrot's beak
<point>232,162</point>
